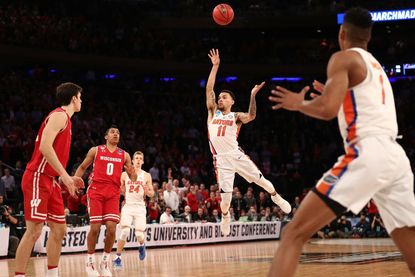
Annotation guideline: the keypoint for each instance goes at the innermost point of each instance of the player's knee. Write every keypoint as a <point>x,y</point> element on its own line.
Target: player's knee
<point>111,230</point>
<point>125,231</point>
<point>293,232</point>
<point>34,234</point>
<point>139,235</point>
<point>59,231</point>
<point>94,229</point>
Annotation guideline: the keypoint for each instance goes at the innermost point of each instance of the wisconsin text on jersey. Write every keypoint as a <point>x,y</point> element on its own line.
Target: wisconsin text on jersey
<point>110,159</point>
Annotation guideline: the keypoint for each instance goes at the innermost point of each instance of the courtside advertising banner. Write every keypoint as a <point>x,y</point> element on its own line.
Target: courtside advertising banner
<point>4,239</point>
<point>168,234</point>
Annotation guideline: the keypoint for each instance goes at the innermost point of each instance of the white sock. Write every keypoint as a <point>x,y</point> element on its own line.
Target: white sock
<point>106,256</point>
<point>266,185</point>
<point>91,258</point>
<point>52,272</point>
<point>279,198</point>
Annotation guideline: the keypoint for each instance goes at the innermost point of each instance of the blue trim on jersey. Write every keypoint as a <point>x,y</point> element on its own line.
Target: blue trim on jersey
<point>355,115</point>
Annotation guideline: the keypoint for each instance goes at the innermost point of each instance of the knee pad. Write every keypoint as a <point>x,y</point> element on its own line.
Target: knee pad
<point>125,231</point>
<point>139,235</point>
<point>226,201</point>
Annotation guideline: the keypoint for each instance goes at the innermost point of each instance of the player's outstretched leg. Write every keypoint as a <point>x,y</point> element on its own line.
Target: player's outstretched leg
<point>276,198</point>
<point>117,262</point>
<point>225,224</point>
<point>141,244</point>
<point>281,202</point>
<point>91,268</point>
<point>105,265</point>
<point>142,251</point>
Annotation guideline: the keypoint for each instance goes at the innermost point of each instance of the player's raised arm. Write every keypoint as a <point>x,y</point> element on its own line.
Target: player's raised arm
<point>149,185</point>
<point>210,93</point>
<point>251,114</point>
<point>86,162</point>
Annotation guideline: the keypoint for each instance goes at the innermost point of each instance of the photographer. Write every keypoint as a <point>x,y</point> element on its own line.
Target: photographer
<point>344,227</point>
<point>378,228</point>
<point>8,220</point>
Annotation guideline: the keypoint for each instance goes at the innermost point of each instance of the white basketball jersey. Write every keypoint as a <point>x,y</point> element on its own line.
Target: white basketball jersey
<point>223,133</point>
<point>134,191</point>
<point>368,108</point>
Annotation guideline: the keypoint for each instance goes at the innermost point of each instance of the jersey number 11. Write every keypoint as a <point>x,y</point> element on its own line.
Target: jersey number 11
<point>221,130</point>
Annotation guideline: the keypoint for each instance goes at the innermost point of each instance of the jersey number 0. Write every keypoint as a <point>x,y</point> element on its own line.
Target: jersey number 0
<point>110,169</point>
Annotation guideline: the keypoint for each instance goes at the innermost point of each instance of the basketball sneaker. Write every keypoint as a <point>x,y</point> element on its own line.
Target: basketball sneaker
<point>91,269</point>
<point>52,272</point>
<point>105,269</point>
<point>282,203</point>
<point>117,263</point>
<point>225,224</point>
<point>142,252</point>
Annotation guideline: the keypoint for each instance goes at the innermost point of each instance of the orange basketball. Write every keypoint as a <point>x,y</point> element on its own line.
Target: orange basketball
<point>223,14</point>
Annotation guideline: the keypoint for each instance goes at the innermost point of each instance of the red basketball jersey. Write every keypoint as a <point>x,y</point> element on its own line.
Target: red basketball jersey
<point>108,166</point>
<point>61,145</point>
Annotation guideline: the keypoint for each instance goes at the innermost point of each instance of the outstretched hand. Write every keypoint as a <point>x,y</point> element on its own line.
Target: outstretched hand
<point>287,99</point>
<point>255,89</point>
<point>319,87</point>
<point>214,56</point>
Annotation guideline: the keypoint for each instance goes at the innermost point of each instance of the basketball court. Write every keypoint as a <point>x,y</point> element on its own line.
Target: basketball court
<point>341,257</point>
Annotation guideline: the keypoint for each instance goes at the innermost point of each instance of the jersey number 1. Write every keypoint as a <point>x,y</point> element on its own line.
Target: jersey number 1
<point>221,130</point>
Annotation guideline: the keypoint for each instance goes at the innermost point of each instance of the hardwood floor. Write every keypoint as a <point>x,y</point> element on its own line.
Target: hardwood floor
<point>324,258</point>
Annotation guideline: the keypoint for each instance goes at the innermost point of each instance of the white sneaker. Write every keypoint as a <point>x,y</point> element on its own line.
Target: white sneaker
<point>105,269</point>
<point>52,273</point>
<point>225,224</point>
<point>91,269</point>
<point>282,203</point>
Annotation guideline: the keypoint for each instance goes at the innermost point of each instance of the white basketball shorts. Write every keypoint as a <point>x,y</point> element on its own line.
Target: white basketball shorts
<point>238,162</point>
<point>375,167</point>
<point>134,213</point>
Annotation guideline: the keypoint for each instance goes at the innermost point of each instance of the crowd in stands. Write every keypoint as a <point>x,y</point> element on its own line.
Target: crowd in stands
<point>290,149</point>
<point>114,29</point>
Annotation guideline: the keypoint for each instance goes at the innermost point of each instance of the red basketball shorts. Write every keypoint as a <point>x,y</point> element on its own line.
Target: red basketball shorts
<point>42,198</point>
<point>103,203</point>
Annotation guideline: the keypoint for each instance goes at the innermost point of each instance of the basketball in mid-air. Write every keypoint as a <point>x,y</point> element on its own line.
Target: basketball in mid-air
<point>223,14</point>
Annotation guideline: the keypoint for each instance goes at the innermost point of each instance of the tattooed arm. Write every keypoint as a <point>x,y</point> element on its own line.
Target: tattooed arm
<point>251,114</point>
